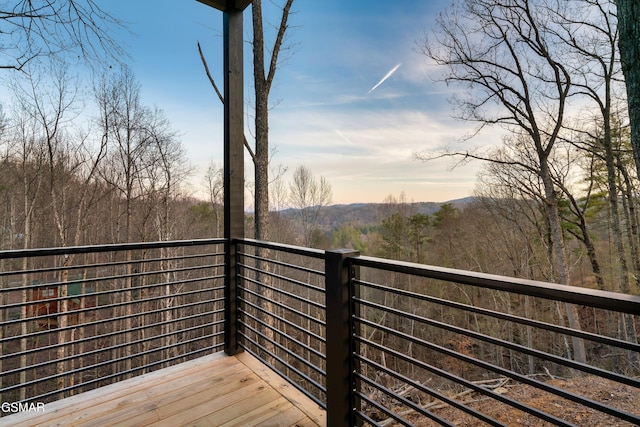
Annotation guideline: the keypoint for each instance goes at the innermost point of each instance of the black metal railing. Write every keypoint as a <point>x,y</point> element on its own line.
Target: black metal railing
<point>379,342</point>
<point>458,347</point>
<point>281,306</point>
<point>375,342</point>
<point>77,318</point>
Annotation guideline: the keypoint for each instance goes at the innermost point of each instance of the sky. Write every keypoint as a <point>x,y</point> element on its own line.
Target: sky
<point>353,100</point>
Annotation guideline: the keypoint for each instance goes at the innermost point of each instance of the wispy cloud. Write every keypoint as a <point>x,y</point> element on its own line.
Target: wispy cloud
<point>389,74</point>
<point>341,135</point>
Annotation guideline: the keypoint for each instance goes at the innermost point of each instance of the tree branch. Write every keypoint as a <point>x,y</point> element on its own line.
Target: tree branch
<point>220,97</point>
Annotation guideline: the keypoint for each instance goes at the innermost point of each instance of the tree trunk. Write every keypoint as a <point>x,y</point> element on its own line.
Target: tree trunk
<point>23,328</point>
<point>616,230</point>
<point>261,158</point>
<point>628,323</point>
<point>63,321</point>
<point>263,78</point>
<point>559,256</point>
<point>629,45</point>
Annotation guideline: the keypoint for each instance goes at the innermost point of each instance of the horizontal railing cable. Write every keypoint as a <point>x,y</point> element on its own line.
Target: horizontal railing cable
<point>286,350</point>
<point>477,388</point>
<point>113,333</point>
<point>117,304</point>
<point>97,266</point>
<point>283,362</point>
<point>283,320</point>
<point>283,306</point>
<point>107,279</point>
<point>400,399</point>
<point>107,362</point>
<point>299,298</point>
<point>301,268</point>
<point>290,249</point>
<point>627,345</point>
<point>364,417</point>
<point>103,350</point>
<point>212,348</point>
<point>506,344</point>
<point>284,278</point>
<point>113,247</point>
<point>433,393</point>
<point>617,302</point>
<point>316,385</point>
<point>499,370</point>
<point>286,336</point>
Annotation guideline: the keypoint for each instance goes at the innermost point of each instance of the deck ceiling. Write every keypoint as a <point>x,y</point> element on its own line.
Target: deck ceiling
<point>227,4</point>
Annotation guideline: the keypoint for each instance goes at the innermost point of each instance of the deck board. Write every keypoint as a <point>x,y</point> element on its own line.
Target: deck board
<point>215,390</point>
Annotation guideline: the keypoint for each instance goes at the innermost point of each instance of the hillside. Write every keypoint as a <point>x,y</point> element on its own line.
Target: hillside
<point>364,214</point>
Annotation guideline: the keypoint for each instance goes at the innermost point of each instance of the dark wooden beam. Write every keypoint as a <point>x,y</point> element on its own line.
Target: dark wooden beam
<point>225,5</point>
<point>233,165</point>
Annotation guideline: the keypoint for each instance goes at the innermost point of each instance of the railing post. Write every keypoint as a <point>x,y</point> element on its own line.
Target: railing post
<point>339,327</point>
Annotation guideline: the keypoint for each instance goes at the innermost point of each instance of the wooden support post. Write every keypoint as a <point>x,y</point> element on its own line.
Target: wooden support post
<point>233,166</point>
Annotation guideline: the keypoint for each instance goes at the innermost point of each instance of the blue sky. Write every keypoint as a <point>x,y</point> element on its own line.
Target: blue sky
<point>324,114</point>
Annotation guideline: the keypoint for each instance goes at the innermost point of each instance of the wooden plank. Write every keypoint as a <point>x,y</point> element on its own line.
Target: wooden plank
<point>225,404</point>
<point>292,416</point>
<point>306,422</point>
<point>316,413</point>
<point>60,408</point>
<point>214,390</point>
<point>259,414</point>
<point>240,410</point>
<point>151,405</point>
<point>285,416</point>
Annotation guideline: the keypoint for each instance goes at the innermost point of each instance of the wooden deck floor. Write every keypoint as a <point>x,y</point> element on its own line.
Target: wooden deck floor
<point>215,390</point>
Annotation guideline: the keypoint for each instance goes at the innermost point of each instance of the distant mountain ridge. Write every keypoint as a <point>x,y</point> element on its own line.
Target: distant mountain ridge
<point>364,214</point>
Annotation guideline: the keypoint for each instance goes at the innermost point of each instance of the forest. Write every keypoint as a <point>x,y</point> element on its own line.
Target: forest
<point>556,201</point>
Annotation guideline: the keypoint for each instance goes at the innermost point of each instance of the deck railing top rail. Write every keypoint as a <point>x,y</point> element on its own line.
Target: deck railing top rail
<point>596,298</point>
<point>112,247</point>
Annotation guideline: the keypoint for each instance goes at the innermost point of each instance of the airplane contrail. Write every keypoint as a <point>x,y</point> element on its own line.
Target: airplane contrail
<point>341,135</point>
<point>389,74</point>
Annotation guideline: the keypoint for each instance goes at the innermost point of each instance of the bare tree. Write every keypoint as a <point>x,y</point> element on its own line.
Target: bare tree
<point>280,226</point>
<point>65,29</point>
<point>30,154</point>
<point>124,126</point>
<point>214,183</point>
<point>50,97</point>
<point>51,117</point>
<point>309,195</point>
<point>501,51</point>
<point>167,170</point>
<point>590,30</point>
<point>511,197</point>
<point>263,76</point>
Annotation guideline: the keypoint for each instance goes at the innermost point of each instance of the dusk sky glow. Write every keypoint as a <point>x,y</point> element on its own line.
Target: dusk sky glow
<point>353,99</point>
